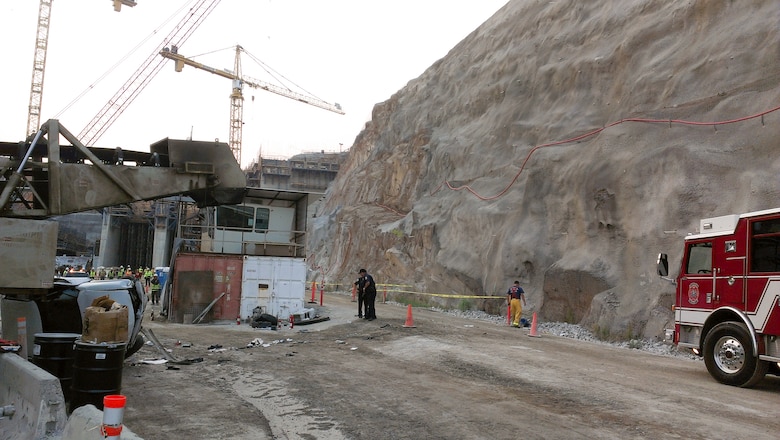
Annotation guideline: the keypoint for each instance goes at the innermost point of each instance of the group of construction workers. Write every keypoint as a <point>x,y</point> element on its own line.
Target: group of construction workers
<point>152,285</point>
<point>111,273</point>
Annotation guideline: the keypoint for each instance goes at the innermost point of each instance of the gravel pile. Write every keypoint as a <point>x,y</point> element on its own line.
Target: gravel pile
<point>578,332</point>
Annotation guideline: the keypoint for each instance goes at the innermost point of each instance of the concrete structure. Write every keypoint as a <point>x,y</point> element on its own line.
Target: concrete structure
<point>84,424</point>
<point>35,396</point>
<point>142,233</point>
<point>139,234</point>
<point>311,172</point>
<point>32,406</point>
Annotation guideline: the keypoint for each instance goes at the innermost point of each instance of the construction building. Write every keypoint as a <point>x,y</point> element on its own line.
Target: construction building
<point>308,172</point>
<point>145,233</point>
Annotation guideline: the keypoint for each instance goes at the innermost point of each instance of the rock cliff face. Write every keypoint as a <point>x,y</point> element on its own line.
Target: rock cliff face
<point>460,182</point>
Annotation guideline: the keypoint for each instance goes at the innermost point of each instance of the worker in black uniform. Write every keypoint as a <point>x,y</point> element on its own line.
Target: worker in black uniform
<point>361,300</point>
<point>369,294</point>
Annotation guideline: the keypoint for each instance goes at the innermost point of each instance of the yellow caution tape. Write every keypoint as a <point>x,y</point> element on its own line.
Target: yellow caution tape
<point>393,288</point>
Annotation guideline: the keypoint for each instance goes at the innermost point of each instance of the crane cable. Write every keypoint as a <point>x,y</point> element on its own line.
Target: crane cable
<point>271,71</point>
<point>233,48</point>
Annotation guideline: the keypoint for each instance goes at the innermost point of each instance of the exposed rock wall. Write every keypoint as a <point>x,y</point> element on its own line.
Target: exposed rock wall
<point>433,196</point>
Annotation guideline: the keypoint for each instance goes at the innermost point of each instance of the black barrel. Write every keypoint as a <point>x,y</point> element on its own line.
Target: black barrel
<point>54,353</point>
<point>97,372</point>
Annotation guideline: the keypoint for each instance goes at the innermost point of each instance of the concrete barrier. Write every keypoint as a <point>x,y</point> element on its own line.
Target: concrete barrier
<point>32,406</point>
<point>84,424</point>
<point>35,398</point>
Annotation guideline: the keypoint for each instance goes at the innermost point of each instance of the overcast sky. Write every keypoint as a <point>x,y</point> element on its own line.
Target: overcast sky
<point>353,52</point>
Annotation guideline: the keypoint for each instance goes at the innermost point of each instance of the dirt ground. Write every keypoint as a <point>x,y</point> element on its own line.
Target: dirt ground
<point>447,378</point>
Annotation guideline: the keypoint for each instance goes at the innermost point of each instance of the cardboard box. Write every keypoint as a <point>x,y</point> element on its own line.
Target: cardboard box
<point>105,326</point>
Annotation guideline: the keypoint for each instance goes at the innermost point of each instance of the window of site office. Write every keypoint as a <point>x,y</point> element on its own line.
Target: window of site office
<point>243,218</point>
<point>765,246</point>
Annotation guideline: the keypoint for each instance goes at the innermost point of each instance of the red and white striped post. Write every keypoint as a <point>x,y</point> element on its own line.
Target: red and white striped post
<point>313,291</point>
<point>21,336</point>
<point>508,314</point>
<point>113,412</point>
<point>322,291</point>
<point>354,290</point>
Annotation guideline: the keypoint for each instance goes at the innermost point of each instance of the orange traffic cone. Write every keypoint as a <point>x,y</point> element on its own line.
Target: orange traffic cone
<point>409,321</point>
<point>533,328</point>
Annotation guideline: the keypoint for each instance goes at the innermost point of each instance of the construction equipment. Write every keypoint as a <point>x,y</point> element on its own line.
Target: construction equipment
<point>44,178</point>
<point>145,73</point>
<point>237,97</point>
<point>39,61</point>
<point>39,67</point>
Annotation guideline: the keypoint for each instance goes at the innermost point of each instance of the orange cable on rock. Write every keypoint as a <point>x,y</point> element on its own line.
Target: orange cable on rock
<point>592,133</point>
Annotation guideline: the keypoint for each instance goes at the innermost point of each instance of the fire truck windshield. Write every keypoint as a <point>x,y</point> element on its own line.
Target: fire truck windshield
<point>699,258</point>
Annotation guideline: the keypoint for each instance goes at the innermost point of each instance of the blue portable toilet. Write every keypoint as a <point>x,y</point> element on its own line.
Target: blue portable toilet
<point>162,275</point>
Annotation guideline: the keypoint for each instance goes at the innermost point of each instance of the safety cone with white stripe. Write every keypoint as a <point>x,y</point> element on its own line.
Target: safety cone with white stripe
<point>113,412</point>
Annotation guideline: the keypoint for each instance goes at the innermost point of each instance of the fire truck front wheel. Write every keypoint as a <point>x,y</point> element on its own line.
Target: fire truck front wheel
<point>728,355</point>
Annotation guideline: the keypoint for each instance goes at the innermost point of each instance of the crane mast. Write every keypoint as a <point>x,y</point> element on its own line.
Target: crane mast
<point>236,109</point>
<point>39,61</point>
<point>237,97</point>
<point>39,67</point>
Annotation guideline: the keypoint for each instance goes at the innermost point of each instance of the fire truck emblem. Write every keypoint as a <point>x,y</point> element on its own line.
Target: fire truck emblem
<point>693,293</point>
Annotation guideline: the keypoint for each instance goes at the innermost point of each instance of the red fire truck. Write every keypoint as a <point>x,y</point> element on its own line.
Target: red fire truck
<point>727,304</point>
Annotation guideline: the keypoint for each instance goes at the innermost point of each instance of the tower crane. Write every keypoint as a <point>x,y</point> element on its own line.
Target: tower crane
<point>237,97</point>
<point>39,61</point>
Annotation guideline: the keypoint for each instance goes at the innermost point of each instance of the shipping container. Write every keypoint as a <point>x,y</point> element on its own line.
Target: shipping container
<point>199,279</point>
<point>275,284</point>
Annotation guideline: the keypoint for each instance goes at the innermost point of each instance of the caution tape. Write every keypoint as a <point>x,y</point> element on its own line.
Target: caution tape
<point>378,284</point>
<point>394,288</point>
<point>448,295</point>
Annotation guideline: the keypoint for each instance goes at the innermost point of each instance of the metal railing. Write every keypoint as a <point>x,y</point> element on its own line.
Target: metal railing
<point>209,238</point>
